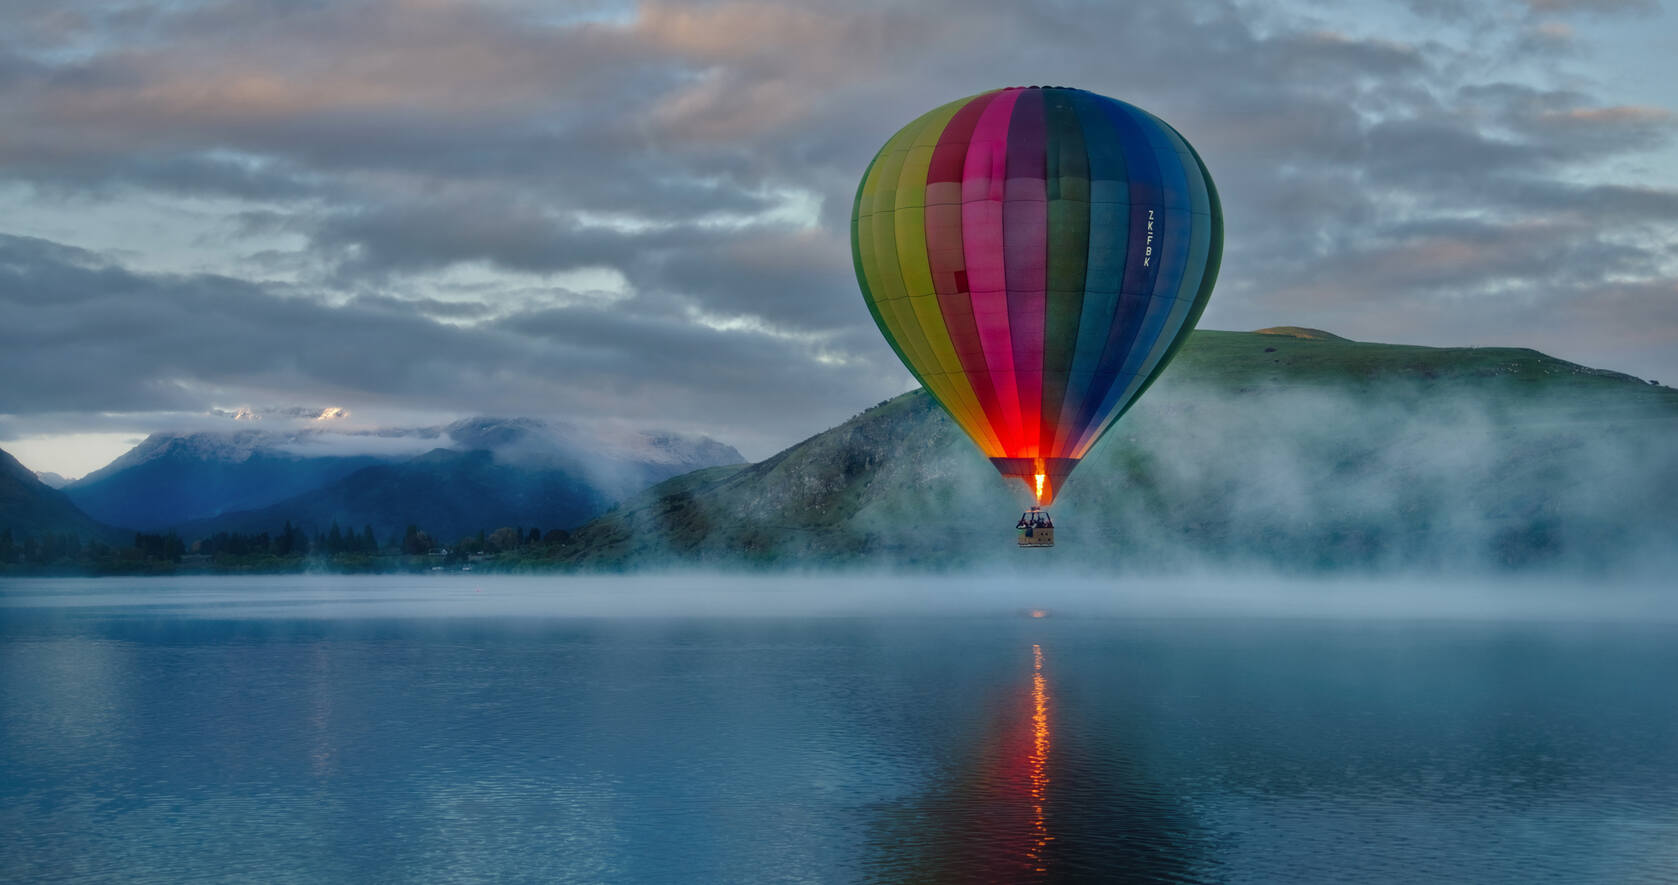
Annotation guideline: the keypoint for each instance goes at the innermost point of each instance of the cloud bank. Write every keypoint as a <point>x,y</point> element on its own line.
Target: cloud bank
<point>639,212</point>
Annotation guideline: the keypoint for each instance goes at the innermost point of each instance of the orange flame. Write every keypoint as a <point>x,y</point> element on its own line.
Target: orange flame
<point>1040,478</point>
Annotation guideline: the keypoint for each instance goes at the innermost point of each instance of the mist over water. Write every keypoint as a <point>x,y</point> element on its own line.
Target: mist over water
<point>697,728</point>
<point>884,595</point>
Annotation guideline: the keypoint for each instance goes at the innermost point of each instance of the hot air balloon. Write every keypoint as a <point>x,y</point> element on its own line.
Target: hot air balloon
<point>1036,256</point>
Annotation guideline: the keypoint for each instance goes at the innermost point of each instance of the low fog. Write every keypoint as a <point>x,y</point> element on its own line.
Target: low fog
<point>1049,595</point>
<point>1382,478</point>
<point>1405,481</point>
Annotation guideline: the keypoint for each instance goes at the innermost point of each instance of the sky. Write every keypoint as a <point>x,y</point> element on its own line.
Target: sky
<point>637,214</point>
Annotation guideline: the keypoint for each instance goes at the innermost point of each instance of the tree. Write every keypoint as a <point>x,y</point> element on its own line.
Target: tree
<point>504,538</point>
<point>282,543</point>
<point>148,546</point>
<point>295,540</point>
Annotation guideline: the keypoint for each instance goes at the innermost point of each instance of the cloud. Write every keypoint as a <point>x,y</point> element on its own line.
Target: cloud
<point>93,337</point>
<point>1591,6</point>
<point>1442,177</point>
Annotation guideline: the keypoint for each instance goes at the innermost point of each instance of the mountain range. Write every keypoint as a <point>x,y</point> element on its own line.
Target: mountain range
<point>455,479</point>
<point>170,479</point>
<point>1286,448</point>
<point>496,472</point>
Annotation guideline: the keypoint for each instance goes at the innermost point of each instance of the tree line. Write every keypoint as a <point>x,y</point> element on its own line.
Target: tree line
<point>289,548</point>
<point>29,551</point>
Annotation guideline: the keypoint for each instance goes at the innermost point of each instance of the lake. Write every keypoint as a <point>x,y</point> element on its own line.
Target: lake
<point>708,729</point>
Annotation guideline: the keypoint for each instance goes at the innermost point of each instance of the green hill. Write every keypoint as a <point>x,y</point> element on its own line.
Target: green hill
<point>1300,332</point>
<point>1271,449</point>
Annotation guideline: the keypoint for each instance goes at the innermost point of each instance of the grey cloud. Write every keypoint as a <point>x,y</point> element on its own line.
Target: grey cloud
<point>803,281</point>
<point>89,336</point>
<point>1460,10</point>
<point>1596,6</point>
<point>430,307</point>
<point>399,140</point>
<point>436,234</point>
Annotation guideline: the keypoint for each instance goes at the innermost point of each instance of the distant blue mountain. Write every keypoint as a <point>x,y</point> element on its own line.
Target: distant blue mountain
<point>449,494</point>
<point>479,473</point>
<point>51,480</point>
<point>171,479</point>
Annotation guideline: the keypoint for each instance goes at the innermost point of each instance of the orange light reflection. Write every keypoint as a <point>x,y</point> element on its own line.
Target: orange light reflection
<point>1039,762</point>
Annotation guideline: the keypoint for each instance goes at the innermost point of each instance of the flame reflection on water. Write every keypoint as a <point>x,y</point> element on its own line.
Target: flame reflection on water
<point>1039,767</point>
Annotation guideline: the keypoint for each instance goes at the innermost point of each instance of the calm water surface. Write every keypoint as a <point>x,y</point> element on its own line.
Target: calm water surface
<point>363,730</point>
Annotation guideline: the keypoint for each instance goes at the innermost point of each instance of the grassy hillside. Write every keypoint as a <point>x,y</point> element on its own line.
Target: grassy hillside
<point>1290,448</point>
<point>1518,376</point>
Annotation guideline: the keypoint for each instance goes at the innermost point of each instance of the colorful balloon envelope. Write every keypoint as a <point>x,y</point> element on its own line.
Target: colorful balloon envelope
<point>1036,256</point>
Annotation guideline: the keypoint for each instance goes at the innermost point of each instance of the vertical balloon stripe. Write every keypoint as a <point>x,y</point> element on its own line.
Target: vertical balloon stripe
<point>984,176</point>
<point>907,224</point>
<point>1109,237</point>
<point>857,260</point>
<point>868,266</point>
<point>1025,235</point>
<point>1147,197</point>
<point>881,253</point>
<point>1139,267</point>
<point>1199,202</point>
<point>883,272</point>
<point>1171,255</point>
<point>1166,261</point>
<point>1068,181</point>
<point>910,224</point>
<point>947,261</point>
<point>1157,247</point>
<point>1209,279</point>
<point>1194,272</point>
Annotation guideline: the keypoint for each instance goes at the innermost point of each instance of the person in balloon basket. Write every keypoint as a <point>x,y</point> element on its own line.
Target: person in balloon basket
<point>1032,520</point>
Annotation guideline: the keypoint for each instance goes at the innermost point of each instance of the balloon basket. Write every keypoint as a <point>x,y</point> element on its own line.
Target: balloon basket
<point>1035,529</point>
